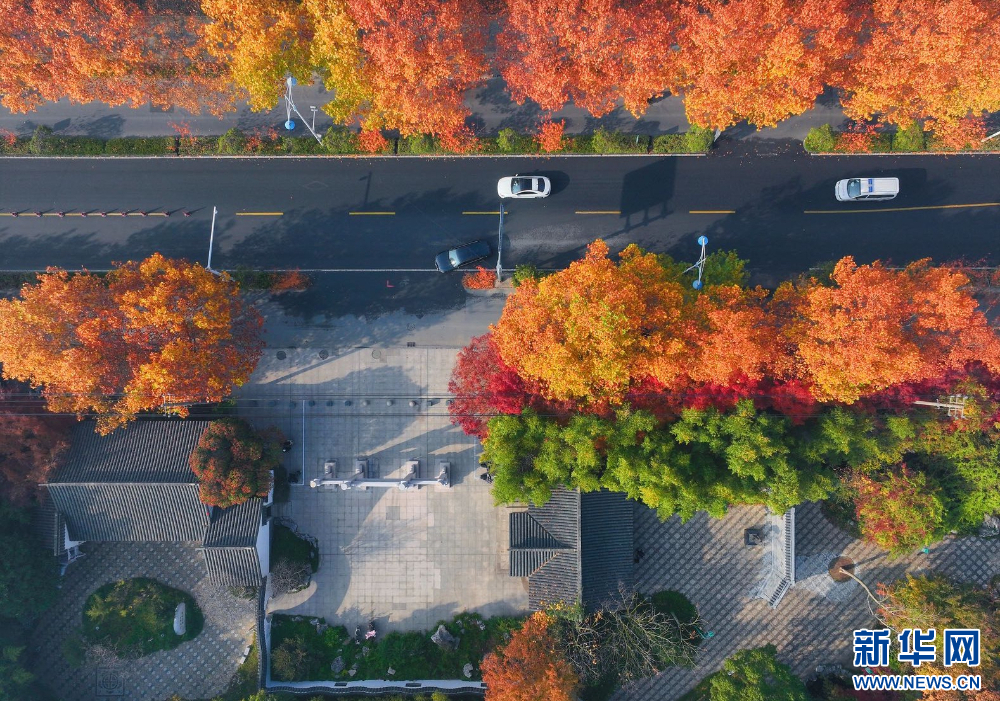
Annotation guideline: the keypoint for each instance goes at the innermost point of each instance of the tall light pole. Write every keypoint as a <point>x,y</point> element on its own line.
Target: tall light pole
<point>290,107</point>
<point>211,241</point>
<point>500,246</point>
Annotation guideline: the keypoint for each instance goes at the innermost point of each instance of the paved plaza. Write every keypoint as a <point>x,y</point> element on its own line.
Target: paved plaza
<point>406,558</point>
<point>706,560</point>
<point>197,669</point>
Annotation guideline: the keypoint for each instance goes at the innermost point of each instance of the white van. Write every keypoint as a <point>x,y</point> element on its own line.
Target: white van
<point>866,189</point>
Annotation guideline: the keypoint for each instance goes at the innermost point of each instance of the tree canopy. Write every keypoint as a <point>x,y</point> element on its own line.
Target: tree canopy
<point>233,462</point>
<point>160,334</point>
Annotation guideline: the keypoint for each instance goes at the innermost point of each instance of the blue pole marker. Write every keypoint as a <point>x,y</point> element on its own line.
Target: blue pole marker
<point>290,124</point>
<point>702,240</point>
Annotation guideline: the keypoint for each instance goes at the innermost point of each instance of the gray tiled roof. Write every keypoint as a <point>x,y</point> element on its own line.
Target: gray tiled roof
<point>151,450</point>
<point>236,526</point>
<point>131,511</point>
<point>607,545</point>
<point>576,547</point>
<point>233,566</point>
<point>531,546</point>
<point>558,579</point>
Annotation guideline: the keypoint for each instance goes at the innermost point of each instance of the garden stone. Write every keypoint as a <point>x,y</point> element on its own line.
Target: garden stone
<point>180,614</point>
<point>320,627</point>
<point>990,527</point>
<point>337,666</point>
<point>351,672</point>
<point>314,621</point>
<point>467,670</point>
<point>391,671</point>
<point>444,640</point>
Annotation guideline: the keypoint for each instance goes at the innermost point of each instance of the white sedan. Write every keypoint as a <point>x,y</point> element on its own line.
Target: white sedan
<point>524,186</point>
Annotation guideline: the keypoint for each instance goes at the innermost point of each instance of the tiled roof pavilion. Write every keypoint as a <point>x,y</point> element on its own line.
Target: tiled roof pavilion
<point>135,484</point>
<point>575,547</point>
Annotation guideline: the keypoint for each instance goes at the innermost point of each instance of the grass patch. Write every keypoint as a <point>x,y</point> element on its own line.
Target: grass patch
<point>244,682</point>
<point>285,544</point>
<point>300,653</point>
<point>135,617</point>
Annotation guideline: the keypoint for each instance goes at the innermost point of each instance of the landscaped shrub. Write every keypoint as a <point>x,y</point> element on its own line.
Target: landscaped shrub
<point>233,462</point>
<point>863,138</point>
<point>232,143</point>
<point>290,280</point>
<point>372,141</point>
<point>340,139</point>
<point>135,617</point>
<point>306,653</point>
<point>909,138</point>
<point>525,271</point>
<point>482,279</point>
<point>604,141</point>
<point>699,139</point>
<point>141,146</point>
<point>509,141</point>
<point>250,279</point>
<point>418,145</point>
<point>40,140</point>
<point>820,139</point>
<point>670,143</point>
<point>303,145</point>
<point>550,136</point>
<point>285,544</point>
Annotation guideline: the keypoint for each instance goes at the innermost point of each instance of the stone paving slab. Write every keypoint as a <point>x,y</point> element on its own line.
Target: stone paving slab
<point>198,668</point>
<point>706,560</point>
<point>405,558</point>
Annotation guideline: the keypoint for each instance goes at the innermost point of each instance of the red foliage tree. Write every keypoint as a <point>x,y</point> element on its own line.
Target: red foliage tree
<point>31,443</point>
<point>898,511</point>
<point>484,386</point>
<point>233,462</point>
<point>530,667</point>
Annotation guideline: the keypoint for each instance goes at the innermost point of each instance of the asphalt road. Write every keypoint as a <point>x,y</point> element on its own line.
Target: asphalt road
<point>393,215</point>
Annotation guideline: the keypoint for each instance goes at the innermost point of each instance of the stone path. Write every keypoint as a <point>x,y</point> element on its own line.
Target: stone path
<point>199,668</point>
<point>706,560</point>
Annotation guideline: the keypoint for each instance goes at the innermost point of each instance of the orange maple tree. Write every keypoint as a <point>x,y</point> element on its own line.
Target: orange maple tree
<point>587,52</point>
<point>738,340</point>
<point>585,333</point>
<point>114,51</point>
<point>420,58</point>
<point>875,327</point>
<point>260,42</point>
<point>759,60</point>
<point>158,334</point>
<point>530,666</point>
<point>935,59</point>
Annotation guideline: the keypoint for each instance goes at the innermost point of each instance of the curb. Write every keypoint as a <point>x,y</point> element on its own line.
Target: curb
<point>359,156</point>
<point>910,153</point>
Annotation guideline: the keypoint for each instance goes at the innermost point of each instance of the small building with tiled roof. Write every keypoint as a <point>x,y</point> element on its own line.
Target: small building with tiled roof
<point>136,484</point>
<point>574,548</point>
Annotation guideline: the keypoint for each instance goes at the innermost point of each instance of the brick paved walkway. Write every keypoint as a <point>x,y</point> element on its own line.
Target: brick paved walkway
<point>706,560</point>
<point>199,668</point>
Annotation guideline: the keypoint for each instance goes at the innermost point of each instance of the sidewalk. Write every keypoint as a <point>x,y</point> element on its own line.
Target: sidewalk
<point>491,108</point>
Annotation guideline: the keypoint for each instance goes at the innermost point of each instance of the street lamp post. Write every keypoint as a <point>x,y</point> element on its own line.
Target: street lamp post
<point>500,246</point>
<point>211,240</point>
<point>700,265</point>
<point>290,107</point>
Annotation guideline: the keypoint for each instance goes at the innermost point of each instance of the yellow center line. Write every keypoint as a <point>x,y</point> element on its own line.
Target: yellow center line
<point>259,214</point>
<point>599,211</point>
<point>900,209</point>
<point>370,213</point>
<point>497,212</point>
<point>711,211</point>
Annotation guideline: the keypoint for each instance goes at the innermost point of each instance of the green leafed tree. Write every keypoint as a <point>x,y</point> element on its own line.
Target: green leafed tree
<point>756,675</point>
<point>29,574</point>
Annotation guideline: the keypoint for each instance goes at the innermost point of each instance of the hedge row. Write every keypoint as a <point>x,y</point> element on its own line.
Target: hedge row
<point>340,140</point>
<point>909,139</point>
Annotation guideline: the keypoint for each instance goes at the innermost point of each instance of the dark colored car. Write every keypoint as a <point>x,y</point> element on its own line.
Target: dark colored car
<point>447,261</point>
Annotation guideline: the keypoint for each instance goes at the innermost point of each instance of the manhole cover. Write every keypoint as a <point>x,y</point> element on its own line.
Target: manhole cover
<point>281,355</point>
<point>324,354</point>
<point>376,354</point>
<point>839,566</point>
<point>109,683</point>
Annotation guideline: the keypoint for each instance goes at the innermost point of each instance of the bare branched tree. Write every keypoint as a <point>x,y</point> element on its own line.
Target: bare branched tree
<point>628,638</point>
<point>287,576</point>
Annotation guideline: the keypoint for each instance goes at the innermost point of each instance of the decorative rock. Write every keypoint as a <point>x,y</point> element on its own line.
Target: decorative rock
<point>180,614</point>
<point>391,671</point>
<point>321,627</point>
<point>467,670</point>
<point>314,621</point>
<point>444,640</point>
<point>990,527</point>
<point>337,666</point>
<point>351,672</point>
